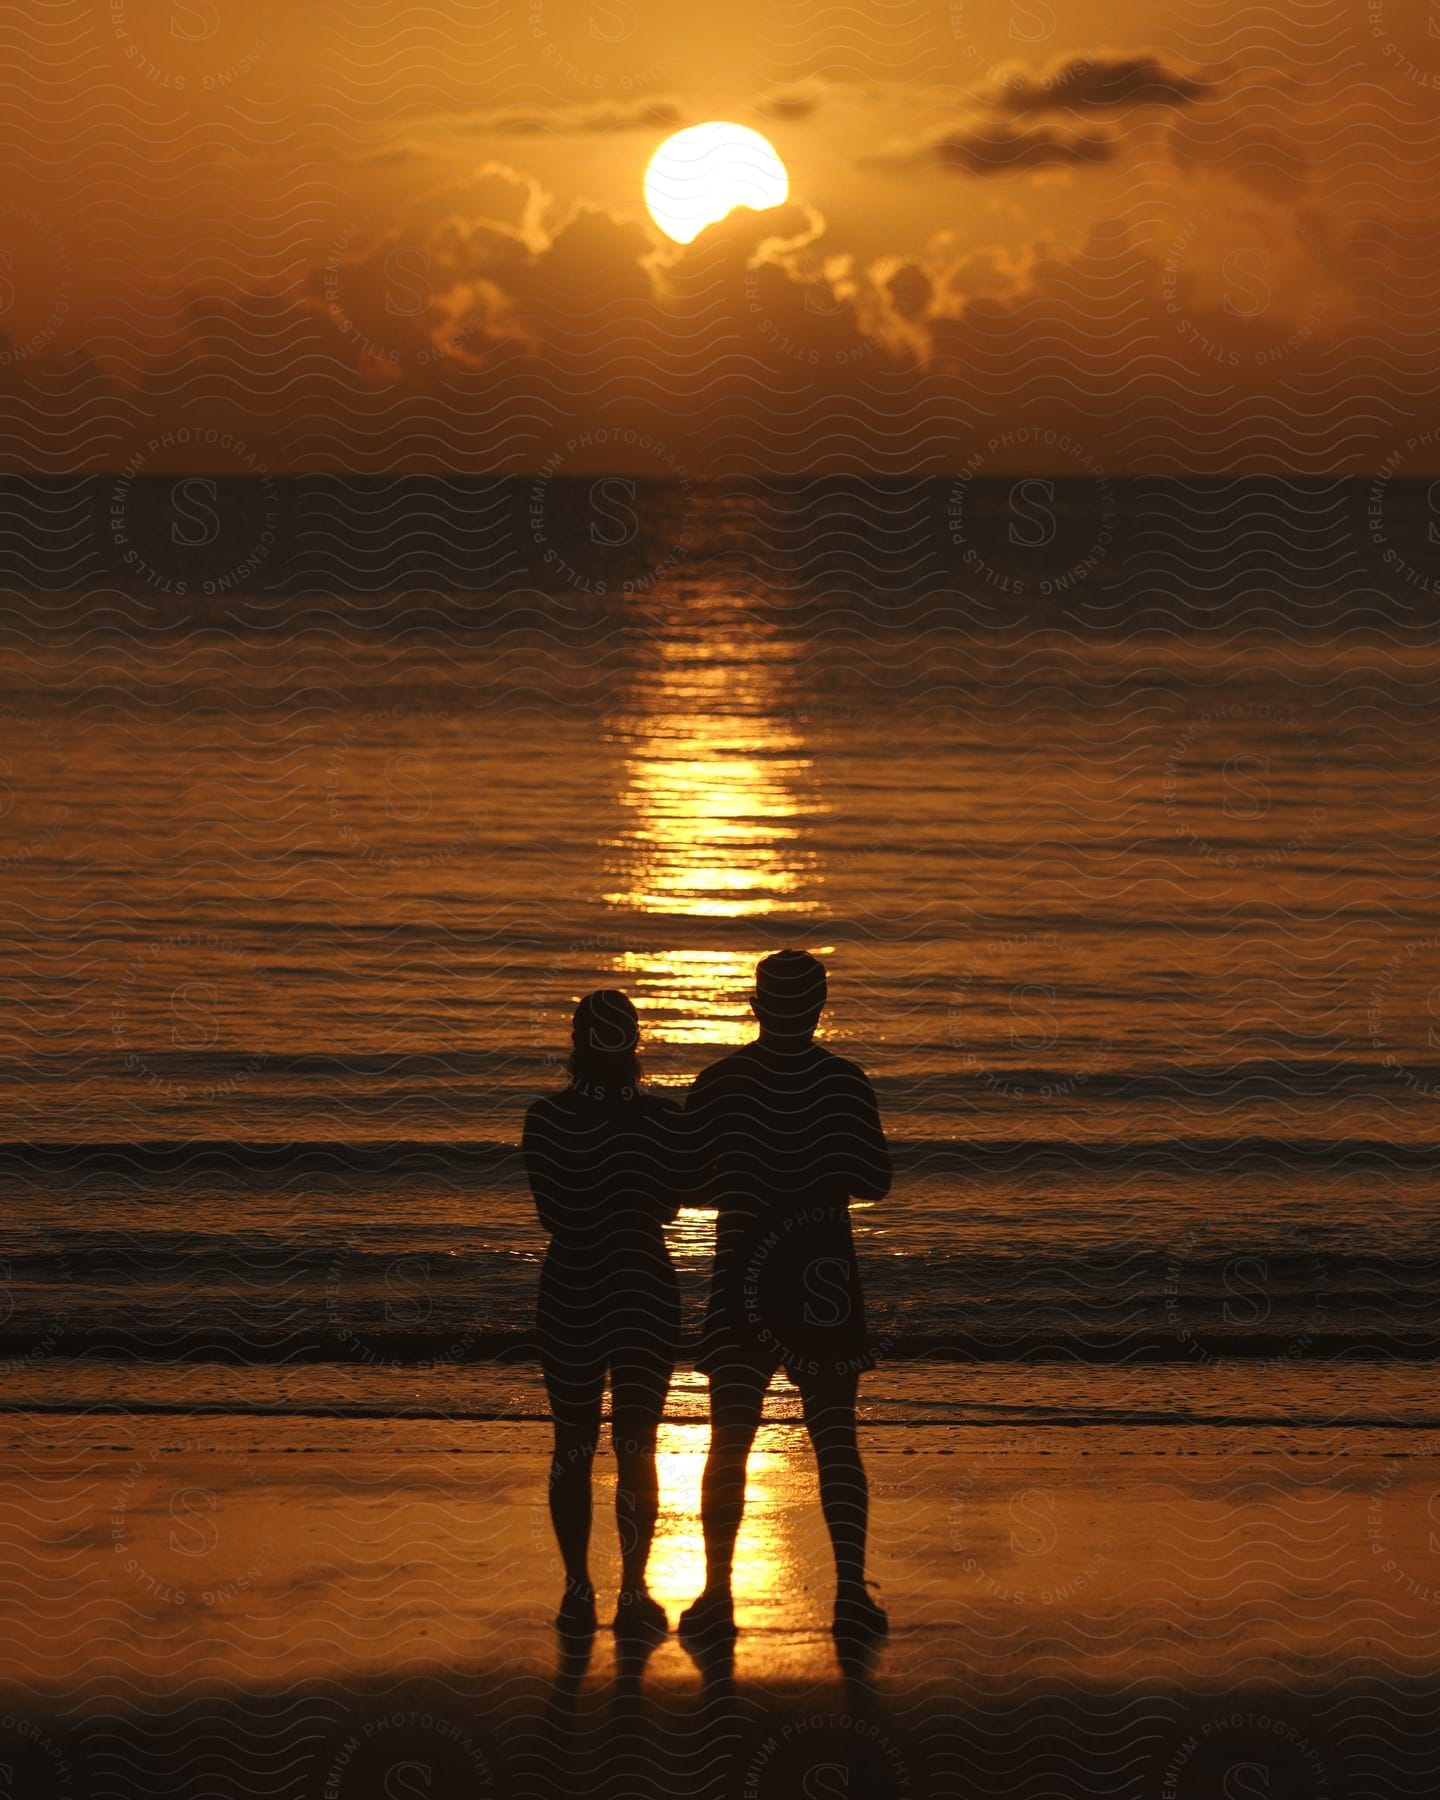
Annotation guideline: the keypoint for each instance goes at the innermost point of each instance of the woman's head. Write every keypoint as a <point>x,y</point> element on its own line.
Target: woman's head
<point>605,1058</point>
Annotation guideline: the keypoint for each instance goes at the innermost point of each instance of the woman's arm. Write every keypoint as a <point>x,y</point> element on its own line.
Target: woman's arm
<point>695,1142</point>
<point>674,1159</point>
<point>538,1150</point>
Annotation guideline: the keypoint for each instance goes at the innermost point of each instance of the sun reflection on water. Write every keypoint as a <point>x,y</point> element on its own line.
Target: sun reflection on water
<point>715,826</point>
<point>691,996</point>
<point>719,799</point>
<point>715,807</point>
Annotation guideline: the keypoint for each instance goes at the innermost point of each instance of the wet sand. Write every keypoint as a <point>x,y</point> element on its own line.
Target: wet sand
<point>332,1608</point>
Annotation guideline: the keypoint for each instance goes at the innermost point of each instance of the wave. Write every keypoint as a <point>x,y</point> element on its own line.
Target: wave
<point>429,1350</point>
<point>406,1158</point>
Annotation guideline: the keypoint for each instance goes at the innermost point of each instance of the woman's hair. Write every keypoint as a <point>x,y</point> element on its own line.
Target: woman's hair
<point>606,1037</point>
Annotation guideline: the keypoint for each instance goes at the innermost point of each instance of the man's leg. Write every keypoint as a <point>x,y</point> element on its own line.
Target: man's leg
<point>737,1398</point>
<point>829,1405</point>
<point>844,1493</point>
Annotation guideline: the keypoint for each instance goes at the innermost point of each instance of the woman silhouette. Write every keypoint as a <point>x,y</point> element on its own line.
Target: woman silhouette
<point>604,1164</point>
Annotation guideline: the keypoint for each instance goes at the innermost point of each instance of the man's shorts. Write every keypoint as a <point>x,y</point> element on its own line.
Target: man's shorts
<point>813,1359</point>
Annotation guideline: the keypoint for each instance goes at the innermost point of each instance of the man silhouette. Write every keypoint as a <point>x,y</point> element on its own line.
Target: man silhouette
<point>786,1134</point>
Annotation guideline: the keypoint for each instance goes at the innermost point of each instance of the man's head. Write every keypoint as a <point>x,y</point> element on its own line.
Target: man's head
<point>789,995</point>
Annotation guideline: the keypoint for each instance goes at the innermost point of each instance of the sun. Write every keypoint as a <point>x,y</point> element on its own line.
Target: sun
<point>703,173</point>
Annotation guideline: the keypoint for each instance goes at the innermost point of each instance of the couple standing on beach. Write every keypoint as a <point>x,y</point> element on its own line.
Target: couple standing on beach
<point>778,1137</point>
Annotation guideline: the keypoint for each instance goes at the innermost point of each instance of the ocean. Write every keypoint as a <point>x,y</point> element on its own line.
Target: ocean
<point>1110,807</point>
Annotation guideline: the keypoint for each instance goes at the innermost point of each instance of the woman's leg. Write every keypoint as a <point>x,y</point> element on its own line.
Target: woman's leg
<point>639,1382</point>
<point>637,1496</point>
<point>575,1395</point>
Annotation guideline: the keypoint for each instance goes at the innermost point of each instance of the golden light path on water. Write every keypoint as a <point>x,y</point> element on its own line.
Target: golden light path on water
<point>715,799</point>
<point>719,784</point>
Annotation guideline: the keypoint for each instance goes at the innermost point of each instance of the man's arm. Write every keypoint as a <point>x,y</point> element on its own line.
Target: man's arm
<point>873,1171</point>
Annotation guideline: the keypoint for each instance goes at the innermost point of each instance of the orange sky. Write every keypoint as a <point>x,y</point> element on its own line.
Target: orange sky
<point>1088,239</point>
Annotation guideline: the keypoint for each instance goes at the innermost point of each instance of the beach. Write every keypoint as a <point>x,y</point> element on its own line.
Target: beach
<point>307,1606</point>
<point>730,687</point>
<point>1134,931</point>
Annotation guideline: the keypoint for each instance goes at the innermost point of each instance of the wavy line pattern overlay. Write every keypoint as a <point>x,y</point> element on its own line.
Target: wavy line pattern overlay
<point>431,592</point>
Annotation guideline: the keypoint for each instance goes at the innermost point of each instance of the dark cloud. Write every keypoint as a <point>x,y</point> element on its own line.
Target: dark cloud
<point>489,329</point>
<point>609,116</point>
<point>1092,82</point>
<point>800,100</point>
<point>910,289</point>
<point>1002,148</point>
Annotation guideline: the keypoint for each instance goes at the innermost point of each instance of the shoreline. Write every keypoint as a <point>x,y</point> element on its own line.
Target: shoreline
<point>1065,1617</point>
<point>955,1350</point>
<point>1300,1404</point>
